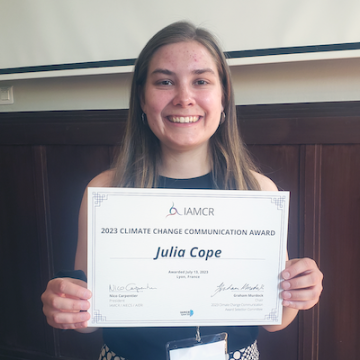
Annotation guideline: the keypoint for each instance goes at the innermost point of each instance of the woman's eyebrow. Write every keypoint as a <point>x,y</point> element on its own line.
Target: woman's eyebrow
<point>162,71</point>
<point>197,71</point>
<point>202,71</point>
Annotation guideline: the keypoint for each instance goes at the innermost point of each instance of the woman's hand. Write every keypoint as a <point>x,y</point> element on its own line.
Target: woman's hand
<point>65,302</point>
<point>302,284</point>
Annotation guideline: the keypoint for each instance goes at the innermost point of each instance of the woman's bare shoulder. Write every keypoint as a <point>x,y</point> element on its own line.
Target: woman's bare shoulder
<point>102,180</point>
<point>265,183</point>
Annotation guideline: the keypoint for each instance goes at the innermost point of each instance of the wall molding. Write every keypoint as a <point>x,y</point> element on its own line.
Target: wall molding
<point>259,124</point>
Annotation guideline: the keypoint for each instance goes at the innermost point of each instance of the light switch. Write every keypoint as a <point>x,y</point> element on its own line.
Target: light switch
<point>6,95</point>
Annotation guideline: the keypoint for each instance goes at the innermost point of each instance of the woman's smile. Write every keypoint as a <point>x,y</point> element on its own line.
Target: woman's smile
<point>183,119</point>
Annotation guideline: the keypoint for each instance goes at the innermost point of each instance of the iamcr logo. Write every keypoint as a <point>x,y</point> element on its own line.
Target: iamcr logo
<point>191,211</point>
<point>173,211</point>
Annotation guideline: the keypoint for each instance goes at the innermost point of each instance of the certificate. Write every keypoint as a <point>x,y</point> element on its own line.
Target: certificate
<point>163,257</point>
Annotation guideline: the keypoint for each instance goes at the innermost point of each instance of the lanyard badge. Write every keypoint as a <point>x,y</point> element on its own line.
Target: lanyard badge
<point>209,347</point>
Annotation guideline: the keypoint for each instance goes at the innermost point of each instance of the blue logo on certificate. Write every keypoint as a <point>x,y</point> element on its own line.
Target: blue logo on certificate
<point>187,313</point>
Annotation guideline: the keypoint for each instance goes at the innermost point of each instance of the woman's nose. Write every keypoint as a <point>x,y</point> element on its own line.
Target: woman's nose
<point>183,96</point>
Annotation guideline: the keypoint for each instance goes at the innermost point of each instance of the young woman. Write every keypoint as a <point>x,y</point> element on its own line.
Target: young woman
<point>181,133</point>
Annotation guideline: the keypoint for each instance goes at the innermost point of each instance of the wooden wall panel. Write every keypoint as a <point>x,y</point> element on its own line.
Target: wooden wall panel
<point>281,163</point>
<point>47,158</point>
<point>340,251</point>
<point>22,322</point>
<point>309,234</point>
<point>95,127</point>
<point>70,168</point>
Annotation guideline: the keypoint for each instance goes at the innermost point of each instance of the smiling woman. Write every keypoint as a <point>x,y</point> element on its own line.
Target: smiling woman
<point>181,133</point>
<point>182,115</point>
<point>183,101</point>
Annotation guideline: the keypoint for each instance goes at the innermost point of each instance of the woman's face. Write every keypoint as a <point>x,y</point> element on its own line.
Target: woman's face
<point>183,96</point>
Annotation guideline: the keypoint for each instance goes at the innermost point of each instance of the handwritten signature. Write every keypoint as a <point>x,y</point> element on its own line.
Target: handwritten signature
<point>132,287</point>
<point>245,287</point>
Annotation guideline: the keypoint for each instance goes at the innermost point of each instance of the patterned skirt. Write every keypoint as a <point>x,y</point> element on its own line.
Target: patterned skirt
<point>249,353</point>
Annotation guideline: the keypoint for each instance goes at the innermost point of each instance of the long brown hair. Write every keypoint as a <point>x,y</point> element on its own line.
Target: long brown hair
<point>136,164</point>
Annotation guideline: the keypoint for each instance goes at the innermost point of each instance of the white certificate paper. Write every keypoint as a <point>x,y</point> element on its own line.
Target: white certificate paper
<point>163,257</point>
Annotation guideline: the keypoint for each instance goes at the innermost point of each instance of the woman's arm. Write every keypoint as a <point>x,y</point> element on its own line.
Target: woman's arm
<point>302,279</point>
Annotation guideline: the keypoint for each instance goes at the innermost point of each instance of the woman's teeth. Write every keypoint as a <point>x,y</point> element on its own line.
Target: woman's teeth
<point>183,119</point>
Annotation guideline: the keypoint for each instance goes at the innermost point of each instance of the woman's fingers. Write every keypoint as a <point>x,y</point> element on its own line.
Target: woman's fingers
<point>70,287</point>
<point>65,302</point>
<point>66,294</point>
<point>302,284</point>
<point>296,267</point>
<point>301,299</point>
<point>65,320</point>
<point>305,280</point>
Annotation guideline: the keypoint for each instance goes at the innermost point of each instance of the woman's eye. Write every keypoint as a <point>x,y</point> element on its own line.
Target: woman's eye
<point>201,82</point>
<point>165,82</point>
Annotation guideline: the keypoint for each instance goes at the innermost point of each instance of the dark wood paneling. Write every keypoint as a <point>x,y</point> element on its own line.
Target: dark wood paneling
<point>22,322</point>
<point>70,168</point>
<point>281,163</point>
<point>47,158</point>
<point>309,241</point>
<point>317,123</point>
<point>42,211</point>
<point>95,127</point>
<point>300,110</point>
<point>302,130</point>
<point>340,250</point>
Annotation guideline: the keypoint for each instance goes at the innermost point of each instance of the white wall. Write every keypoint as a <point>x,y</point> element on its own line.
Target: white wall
<point>287,82</point>
<point>308,81</point>
<point>43,32</point>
